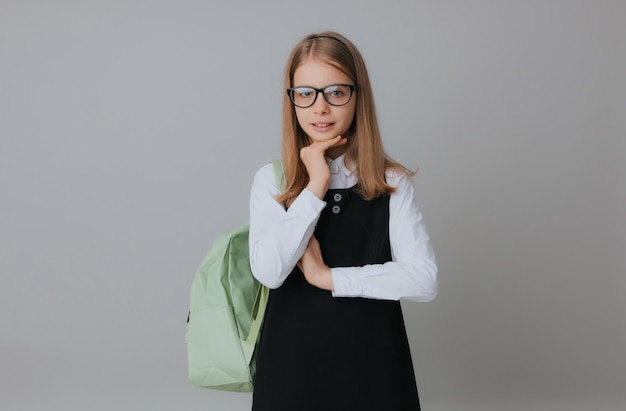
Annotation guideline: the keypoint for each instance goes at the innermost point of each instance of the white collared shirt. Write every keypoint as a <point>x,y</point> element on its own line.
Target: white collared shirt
<point>278,238</point>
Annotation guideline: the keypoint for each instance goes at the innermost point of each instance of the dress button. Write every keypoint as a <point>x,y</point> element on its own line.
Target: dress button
<point>337,197</point>
<point>336,209</point>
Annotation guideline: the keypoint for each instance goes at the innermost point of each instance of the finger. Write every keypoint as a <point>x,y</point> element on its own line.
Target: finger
<point>323,145</point>
<point>337,140</point>
<point>341,141</point>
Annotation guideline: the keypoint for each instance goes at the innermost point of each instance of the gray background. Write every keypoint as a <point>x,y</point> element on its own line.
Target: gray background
<point>130,132</point>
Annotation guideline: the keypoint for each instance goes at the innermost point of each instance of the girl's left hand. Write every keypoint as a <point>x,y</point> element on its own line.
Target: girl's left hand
<point>312,265</point>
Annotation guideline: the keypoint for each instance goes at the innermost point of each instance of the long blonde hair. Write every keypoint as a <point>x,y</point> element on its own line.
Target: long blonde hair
<point>365,152</point>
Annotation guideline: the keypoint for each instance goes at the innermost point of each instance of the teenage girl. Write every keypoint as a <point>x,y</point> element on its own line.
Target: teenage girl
<point>338,247</point>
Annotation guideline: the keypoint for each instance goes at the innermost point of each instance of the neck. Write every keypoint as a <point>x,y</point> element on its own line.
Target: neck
<point>335,152</point>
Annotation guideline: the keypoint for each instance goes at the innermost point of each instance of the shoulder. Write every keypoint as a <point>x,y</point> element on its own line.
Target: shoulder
<point>266,171</point>
<point>398,179</point>
<point>265,180</point>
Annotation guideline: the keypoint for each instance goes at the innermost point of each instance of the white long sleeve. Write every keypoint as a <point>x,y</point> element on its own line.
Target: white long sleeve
<point>278,238</point>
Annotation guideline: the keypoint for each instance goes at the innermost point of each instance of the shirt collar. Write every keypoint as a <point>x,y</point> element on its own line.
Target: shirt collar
<point>338,165</point>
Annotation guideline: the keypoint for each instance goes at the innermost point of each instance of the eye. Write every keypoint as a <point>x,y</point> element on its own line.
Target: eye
<point>304,92</point>
<point>338,92</point>
<point>334,91</point>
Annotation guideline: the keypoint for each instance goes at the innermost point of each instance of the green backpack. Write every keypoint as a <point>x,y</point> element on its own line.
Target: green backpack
<point>227,305</point>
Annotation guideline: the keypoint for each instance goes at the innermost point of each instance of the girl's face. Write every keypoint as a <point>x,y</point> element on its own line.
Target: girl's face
<point>323,121</point>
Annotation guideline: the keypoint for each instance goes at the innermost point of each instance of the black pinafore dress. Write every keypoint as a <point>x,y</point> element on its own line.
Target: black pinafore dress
<point>323,353</point>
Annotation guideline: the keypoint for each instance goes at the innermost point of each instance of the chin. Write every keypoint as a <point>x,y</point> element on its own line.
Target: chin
<point>318,138</point>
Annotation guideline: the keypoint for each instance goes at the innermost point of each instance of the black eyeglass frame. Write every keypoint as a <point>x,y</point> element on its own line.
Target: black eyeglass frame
<point>351,87</point>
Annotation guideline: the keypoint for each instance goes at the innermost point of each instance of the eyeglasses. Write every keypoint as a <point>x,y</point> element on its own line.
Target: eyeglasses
<point>334,94</point>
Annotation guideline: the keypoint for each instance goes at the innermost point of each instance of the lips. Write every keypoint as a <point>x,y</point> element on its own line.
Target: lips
<point>322,125</point>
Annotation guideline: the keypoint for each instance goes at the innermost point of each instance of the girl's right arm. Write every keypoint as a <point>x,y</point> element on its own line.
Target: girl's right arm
<point>278,237</point>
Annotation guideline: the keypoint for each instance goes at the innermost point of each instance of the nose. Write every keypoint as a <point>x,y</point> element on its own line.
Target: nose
<point>320,105</point>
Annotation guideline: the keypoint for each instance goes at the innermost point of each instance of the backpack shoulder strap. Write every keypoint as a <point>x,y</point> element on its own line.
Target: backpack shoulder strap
<point>262,296</point>
<point>279,173</point>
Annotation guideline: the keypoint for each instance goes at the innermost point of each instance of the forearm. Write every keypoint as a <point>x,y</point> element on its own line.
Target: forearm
<point>389,281</point>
